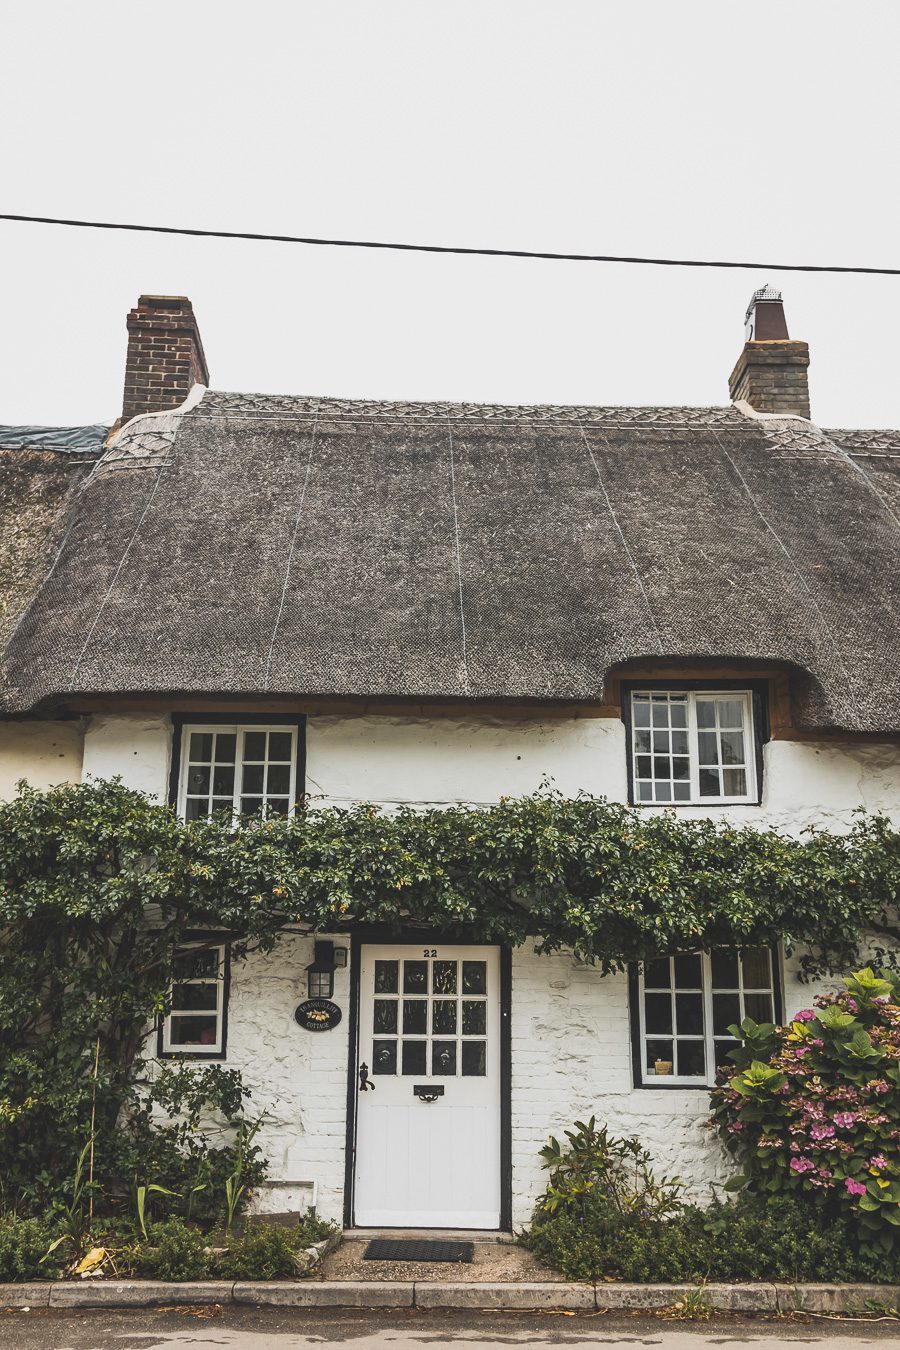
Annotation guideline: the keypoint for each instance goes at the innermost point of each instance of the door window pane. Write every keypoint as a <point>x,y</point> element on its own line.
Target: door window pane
<point>474,1059</point>
<point>414,1057</point>
<point>443,975</point>
<point>415,1016</point>
<point>443,1017</point>
<point>386,977</point>
<point>443,1058</point>
<point>474,978</point>
<point>474,1018</point>
<point>385,1019</point>
<point>415,977</point>
<point>384,1057</point>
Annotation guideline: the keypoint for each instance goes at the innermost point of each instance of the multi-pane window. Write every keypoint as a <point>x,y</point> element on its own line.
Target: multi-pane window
<point>687,1003</point>
<point>241,770</point>
<point>692,746</point>
<point>196,1023</point>
<point>430,1017</point>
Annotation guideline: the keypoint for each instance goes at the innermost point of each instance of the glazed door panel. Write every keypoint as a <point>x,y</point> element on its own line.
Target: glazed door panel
<point>428,1124</point>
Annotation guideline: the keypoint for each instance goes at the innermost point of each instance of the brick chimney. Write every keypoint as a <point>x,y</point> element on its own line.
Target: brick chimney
<point>165,355</point>
<point>770,373</point>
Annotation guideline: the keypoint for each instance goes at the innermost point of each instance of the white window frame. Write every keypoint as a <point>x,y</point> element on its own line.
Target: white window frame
<point>709,1038</point>
<point>751,796</point>
<point>240,731</point>
<point>213,1050</point>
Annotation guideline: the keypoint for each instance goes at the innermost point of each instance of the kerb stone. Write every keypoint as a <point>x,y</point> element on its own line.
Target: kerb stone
<point>437,1294</point>
<point>136,1293</point>
<point>35,1295</point>
<point>327,1293</point>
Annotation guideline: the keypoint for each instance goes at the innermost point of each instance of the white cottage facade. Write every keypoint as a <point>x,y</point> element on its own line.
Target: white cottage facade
<point>751,697</point>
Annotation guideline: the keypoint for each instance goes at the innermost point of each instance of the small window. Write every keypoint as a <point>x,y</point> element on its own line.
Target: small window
<point>244,771</point>
<point>692,747</point>
<point>195,1026</point>
<point>686,1005</point>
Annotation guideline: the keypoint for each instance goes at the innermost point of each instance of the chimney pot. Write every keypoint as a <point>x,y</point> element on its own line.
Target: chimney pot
<point>771,371</point>
<point>156,325</point>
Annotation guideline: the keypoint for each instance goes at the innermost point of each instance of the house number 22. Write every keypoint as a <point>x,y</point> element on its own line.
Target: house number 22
<point>430,951</point>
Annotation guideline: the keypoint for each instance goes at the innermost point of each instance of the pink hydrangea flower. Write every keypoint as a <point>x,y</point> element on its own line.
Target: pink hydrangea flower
<point>804,1015</point>
<point>822,1131</point>
<point>854,1187</point>
<point>803,1165</point>
<point>844,1119</point>
<point>878,1160</point>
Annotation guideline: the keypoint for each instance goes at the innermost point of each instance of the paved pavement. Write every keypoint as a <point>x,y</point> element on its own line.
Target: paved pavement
<point>295,1329</point>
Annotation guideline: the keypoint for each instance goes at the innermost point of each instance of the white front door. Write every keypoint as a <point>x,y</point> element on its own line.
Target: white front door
<point>428,1125</point>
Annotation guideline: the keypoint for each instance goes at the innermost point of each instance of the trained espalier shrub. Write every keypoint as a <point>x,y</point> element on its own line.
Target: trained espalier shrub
<point>812,1109</point>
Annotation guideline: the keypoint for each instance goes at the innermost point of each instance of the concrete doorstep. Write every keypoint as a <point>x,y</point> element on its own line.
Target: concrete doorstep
<point>736,1298</point>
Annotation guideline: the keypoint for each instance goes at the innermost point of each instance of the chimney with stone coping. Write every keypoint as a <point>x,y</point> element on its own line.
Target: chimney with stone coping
<point>770,373</point>
<point>165,355</point>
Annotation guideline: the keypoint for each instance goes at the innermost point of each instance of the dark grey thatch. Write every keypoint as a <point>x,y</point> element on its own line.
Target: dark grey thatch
<point>34,486</point>
<point>318,547</point>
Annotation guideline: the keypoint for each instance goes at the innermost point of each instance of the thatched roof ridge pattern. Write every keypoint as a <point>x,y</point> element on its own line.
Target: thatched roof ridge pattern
<point>326,547</point>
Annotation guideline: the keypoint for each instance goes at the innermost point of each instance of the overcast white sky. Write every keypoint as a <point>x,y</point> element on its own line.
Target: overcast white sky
<point>760,130</point>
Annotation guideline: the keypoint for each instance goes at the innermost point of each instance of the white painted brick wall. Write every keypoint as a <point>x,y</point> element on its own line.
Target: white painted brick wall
<point>570,1037</point>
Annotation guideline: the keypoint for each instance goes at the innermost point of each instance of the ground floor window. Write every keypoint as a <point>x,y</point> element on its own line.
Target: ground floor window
<point>682,1007</point>
<point>195,1026</point>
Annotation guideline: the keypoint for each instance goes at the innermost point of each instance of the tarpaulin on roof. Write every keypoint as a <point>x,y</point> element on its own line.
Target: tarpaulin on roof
<point>78,440</point>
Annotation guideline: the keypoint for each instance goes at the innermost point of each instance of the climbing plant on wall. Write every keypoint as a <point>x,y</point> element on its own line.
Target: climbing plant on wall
<point>98,886</point>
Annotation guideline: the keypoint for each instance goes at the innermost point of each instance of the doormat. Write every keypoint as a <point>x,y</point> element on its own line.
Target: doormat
<point>415,1249</point>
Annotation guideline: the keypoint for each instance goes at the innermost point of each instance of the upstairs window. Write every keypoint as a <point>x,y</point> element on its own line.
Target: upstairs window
<point>244,770</point>
<point>685,1005</point>
<point>692,746</point>
<point>195,1026</point>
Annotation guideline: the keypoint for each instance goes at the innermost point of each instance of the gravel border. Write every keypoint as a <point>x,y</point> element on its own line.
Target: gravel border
<point>743,1298</point>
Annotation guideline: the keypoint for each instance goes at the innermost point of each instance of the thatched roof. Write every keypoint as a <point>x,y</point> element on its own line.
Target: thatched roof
<point>37,473</point>
<point>317,547</point>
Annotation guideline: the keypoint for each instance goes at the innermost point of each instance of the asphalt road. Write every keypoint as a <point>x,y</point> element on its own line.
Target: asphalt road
<point>303,1329</point>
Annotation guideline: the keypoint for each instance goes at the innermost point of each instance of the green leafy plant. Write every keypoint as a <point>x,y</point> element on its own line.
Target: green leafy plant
<point>821,1118</point>
<point>83,975</point>
<point>173,1251</point>
<point>268,1251</point>
<point>141,1194</point>
<point>29,1249</point>
<point>595,1168</point>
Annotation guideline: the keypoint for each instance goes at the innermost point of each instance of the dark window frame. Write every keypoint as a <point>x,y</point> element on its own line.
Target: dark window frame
<point>206,939</point>
<point>634,1021</point>
<point>759,698</point>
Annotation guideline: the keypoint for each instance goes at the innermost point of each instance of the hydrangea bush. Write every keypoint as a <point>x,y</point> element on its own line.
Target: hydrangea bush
<point>813,1108</point>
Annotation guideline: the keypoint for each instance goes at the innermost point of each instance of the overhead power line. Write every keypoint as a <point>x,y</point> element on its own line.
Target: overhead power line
<point>450,248</point>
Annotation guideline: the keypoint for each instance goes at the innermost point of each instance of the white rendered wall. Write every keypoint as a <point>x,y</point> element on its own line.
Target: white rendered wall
<point>137,749</point>
<point>571,1059</point>
<point>297,1077</point>
<point>472,759</point>
<point>43,753</point>
<point>571,1054</point>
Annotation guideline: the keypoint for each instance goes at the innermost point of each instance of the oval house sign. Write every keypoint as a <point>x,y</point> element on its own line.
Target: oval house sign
<point>318,1014</point>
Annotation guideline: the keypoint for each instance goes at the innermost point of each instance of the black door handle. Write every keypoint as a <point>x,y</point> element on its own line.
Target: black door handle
<point>364,1081</point>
